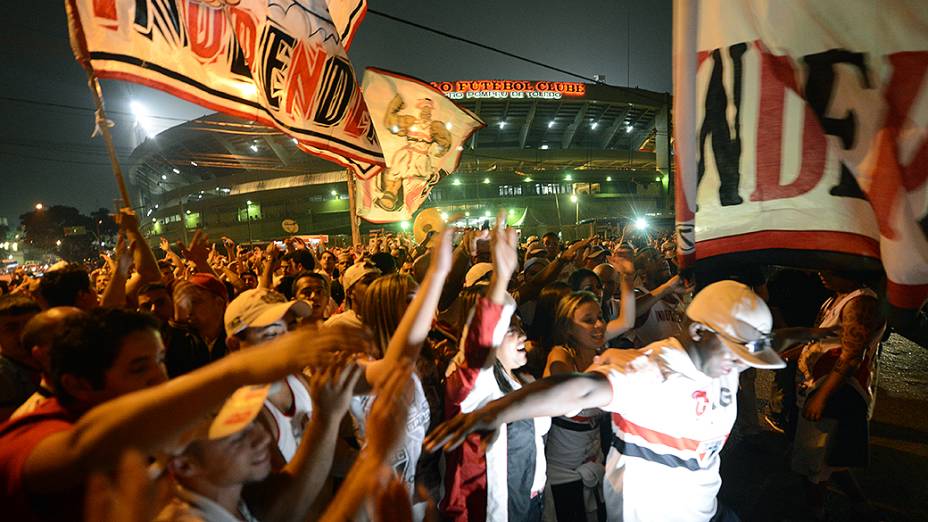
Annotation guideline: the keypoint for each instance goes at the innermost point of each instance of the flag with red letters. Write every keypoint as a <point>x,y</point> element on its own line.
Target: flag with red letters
<point>800,136</point>
<point>280,62</point>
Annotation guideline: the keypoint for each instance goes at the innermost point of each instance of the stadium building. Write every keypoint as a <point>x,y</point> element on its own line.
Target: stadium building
<point>554,154</point>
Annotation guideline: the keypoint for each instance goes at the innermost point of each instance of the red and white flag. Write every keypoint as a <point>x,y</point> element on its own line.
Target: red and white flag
<point>422,134</point>
<point>800,135</point>
<point>279,62</point>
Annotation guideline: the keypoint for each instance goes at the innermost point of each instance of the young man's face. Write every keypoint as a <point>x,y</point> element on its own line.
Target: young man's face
<point>551,244</point>
<point>241,458</point>
<point>159,303</point>
<point>260,335</point>
<point>11,329</point>
<point>328,262</point>
<point>200,309</point>
<point>250,281</point>
<point>313,291</point>
<point>139,365</point>
<point>715,358</point>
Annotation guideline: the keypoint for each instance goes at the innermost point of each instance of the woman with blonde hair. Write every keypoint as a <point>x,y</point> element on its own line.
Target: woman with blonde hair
<point>400,313</point>
<point>574,449</point>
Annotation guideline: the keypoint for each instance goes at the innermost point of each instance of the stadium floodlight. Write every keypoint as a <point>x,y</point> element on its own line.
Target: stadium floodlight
<point>641,223</point>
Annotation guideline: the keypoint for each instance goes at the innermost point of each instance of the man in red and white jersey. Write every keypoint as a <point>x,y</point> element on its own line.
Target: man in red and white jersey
<point>673,404</point>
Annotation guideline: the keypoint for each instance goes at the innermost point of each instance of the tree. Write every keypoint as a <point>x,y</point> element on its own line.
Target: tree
<point>59,230</point>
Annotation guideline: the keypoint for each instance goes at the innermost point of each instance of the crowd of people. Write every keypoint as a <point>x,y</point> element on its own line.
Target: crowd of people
<point>578,381</point>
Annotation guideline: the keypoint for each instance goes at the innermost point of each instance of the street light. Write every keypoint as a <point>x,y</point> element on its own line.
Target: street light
<point>39,206</point>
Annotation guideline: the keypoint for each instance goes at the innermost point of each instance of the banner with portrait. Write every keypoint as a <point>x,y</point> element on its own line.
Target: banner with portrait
<point>422,134</point>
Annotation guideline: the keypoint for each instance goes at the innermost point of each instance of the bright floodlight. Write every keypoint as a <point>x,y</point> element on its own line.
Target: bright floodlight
<point>641,223</point>
<point>334,192</point>
<point>404,225</point>
<point>39,206</point>
<point>573,198</point>
<point>138,109</point>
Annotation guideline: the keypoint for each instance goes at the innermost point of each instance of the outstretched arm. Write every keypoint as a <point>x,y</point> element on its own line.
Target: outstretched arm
<point>550,397</point>
<point>289,495</point>
<point>150,419</point>
<point>417,320</point>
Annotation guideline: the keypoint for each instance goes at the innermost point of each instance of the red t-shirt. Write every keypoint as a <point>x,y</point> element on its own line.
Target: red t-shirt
<point>18,438</point>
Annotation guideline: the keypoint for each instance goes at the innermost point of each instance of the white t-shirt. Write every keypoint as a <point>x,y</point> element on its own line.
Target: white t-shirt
<point>665,319</point>
<point>669,422</point>
<point>417,422</point>
<point>347,318</point>
<point>290,426</point>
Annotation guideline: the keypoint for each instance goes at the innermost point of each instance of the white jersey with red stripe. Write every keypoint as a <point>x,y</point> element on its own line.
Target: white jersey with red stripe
<point>669,422</point>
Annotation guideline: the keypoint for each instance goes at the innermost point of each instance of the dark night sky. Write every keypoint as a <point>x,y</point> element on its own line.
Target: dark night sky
<point>47,155</point>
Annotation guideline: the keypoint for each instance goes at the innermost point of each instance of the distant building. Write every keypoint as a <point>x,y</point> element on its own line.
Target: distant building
<point>544,143</point>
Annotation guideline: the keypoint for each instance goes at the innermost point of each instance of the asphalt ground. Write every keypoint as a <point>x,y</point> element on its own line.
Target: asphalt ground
<point>758,484</point>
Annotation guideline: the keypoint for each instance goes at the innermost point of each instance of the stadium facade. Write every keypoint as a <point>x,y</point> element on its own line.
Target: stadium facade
<point>553,154</point>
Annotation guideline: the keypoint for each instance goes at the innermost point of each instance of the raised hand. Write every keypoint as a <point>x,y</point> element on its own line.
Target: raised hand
<point>198,250</point>
<point>574,250</point>
<point>622,264</point>
<point>331,389</point>
<point>503,245</point>
<point>392,501</point>
<point>165,245</point>
<point>442,251</point>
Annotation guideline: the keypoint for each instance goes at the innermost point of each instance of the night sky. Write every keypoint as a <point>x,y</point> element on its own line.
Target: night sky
<point>47,154</point>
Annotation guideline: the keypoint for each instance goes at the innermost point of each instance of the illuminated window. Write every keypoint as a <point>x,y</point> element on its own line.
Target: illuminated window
<point>510,190</point>
<point>251,211</point>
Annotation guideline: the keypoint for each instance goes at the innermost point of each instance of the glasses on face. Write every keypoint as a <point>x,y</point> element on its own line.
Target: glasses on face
<point>754,346</point>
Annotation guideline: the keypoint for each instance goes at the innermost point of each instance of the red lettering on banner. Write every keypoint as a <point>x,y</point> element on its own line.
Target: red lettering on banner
<point>245,27</point>
<point>359,119</point>
<point>305,69</point>
<point>105,9</point>
<point>776,76</point>
<point>904,86</point>
<point>206,28</point>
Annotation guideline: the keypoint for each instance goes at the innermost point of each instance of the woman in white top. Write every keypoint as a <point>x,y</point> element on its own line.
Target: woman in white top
<point>574,449</point>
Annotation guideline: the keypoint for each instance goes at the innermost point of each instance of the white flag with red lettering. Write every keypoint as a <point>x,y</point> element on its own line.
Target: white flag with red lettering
<point>422,133</point>
<point>800,135</point>
<point>280,62</point>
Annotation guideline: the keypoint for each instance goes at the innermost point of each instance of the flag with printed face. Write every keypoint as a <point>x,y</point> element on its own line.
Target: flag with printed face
<point>279,62</point>
<point>422,134</point>
<point>800,135</point>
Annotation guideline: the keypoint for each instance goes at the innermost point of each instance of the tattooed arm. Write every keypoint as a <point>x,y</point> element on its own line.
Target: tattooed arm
<point>860,322</point>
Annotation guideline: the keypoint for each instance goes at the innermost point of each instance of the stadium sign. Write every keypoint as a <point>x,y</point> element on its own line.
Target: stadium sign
<point>476,89</point>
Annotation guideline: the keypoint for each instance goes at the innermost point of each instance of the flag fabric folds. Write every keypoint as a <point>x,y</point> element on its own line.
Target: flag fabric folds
<point>800,134</point>
<point>279,62</point>
<point>422,134</point>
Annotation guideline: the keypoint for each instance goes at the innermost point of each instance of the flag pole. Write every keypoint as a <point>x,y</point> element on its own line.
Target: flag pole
<point>353,210</point>
<point>79,48</point>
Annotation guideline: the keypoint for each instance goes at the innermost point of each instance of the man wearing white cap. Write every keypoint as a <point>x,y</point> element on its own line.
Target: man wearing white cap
<point>256,317</point>
<point>355,282</point>
<point>224,473</point>
<point>672,405</point>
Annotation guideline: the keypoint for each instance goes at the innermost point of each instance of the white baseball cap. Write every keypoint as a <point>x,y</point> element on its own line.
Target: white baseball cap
<point>740,318</point>
<point>356,272</point>
<point>260,307</point>
<point>477,273</point>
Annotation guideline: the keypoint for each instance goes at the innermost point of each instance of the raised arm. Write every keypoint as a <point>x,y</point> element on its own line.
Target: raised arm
<point>150,419</point>
<point>553,396</point>
<point>289,494</point>
<point>146,265</point>
<point>626,319</point>
<point>530,289</point>
<point>114,294</point>
<point>644,302</point>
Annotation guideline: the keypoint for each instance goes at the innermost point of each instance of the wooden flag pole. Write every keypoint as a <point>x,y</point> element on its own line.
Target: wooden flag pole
<point>79,48</point>
<point>353,210</point>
